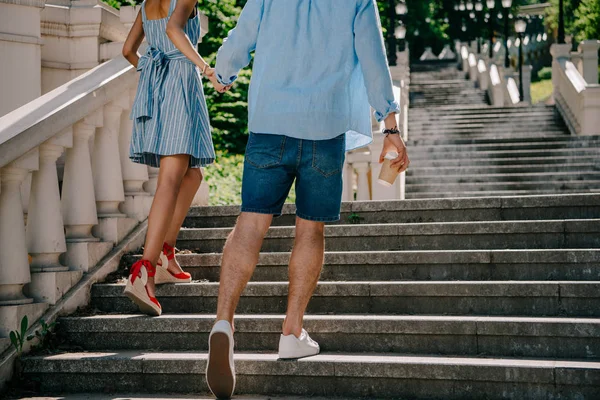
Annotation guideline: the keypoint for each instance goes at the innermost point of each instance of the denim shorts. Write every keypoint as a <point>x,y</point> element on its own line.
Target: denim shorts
<point>272,164</point>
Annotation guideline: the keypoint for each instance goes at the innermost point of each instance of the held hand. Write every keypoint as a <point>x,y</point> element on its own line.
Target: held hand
<point>218,86</point>
<point>394,143</point>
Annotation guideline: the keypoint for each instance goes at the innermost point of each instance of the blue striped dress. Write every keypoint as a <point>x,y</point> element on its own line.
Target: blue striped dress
<point>169,112</point>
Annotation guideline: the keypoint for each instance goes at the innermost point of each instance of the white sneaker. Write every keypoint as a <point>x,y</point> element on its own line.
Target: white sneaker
<point>220,371</point>
<point>291,347</point>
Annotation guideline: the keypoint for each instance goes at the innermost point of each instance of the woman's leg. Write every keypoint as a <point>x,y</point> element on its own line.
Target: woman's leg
<point>170,177</point>
<point>189,186</point>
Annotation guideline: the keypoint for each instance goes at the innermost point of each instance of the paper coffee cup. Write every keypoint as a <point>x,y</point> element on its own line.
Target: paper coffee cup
<point>388,175</point>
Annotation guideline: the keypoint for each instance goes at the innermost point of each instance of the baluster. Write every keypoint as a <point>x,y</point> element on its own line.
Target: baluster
<point>363,192</point>
<point>348,177</point>
<point>152,180</point>
<point>106,164</point>
<point>78,199</point>
<point>137,201</point>
<point>45,228</point>
<point>14,265</point>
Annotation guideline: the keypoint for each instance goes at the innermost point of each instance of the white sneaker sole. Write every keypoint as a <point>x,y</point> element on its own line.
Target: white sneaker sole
<point>219,373</point>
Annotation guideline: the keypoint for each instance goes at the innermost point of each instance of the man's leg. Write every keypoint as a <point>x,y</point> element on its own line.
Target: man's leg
<point>240,257</point>
<point>304,271</point>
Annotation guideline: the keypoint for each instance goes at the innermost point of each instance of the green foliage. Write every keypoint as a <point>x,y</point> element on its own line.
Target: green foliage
<point>587,20</point>
<point>354,218</point>
<point>224,179</point>
<point>17,338</point>
<point>545,73</point>
<point>45,336</point>
<point>541,91</point>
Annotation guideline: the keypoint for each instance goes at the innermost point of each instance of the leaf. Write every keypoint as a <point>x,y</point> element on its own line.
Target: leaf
<point>30,338</point>
<point>24,325</point>
<point>13,339</point>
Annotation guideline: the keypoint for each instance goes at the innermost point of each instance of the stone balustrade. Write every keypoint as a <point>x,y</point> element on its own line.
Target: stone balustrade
<point>490,75</point>
<point>576,90</point>
<point>362,167</point>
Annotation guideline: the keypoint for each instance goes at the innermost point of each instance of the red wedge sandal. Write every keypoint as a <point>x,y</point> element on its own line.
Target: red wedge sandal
<point>163,275</point>
<point>136,288</point>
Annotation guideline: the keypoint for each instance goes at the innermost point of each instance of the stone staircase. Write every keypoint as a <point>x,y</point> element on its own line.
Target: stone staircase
<point>495,298</point>
<point>462,147</point>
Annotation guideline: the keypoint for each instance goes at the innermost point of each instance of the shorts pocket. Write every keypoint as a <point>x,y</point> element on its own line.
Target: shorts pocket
<point>329,155</point>
<point>264,151</point>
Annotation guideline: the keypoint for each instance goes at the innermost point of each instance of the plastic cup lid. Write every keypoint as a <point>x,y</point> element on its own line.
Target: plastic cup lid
<point>392,155</point>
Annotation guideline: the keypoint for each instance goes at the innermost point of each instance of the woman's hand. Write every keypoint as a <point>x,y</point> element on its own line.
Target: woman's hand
<point>394,143</point>
<point>212,77</point>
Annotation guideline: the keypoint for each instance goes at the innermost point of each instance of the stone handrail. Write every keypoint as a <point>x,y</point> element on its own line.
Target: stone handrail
<point>577,100</point>
<point>50,238</point>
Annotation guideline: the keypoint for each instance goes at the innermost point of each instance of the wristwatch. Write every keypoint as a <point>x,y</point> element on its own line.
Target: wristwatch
<point>393,131</point>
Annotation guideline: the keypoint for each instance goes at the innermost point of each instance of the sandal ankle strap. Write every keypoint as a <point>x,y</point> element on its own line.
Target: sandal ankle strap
<point>169,251</point>
<point>137,267</point>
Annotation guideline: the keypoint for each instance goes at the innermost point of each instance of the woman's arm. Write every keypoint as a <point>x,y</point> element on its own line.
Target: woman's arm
<point>133,41</point>
<point>175,31</point>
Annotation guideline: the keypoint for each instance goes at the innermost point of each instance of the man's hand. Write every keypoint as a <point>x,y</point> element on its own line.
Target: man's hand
<point>212,77</point>
<point>394,143</point>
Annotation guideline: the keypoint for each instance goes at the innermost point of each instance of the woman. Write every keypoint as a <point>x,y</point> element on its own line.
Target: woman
<point>171,131</point>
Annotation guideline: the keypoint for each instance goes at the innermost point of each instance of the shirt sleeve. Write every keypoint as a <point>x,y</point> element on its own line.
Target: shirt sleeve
<point>235,52</point>
<point>370,49</point>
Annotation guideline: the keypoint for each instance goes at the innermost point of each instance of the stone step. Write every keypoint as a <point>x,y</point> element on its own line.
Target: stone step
<point>504,169</point>
<point>518,298</point>
<point>409,211</point>
<point>514,146</point>
<point>548,153</point>
<point>474,194</point>
<point>473,185</point>
<point>551,234</point>
<point>489,113</point>
<point>489,138</point>
<point>576,264</point>
<point>328,374</point>
<point>476,108</point>
<point>440,335</point>
<point>564,159</point>
<point>498,132</point>
<point>511,178</point>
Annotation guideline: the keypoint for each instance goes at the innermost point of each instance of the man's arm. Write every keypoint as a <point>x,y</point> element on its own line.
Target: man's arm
<point>370,49</point>
<point>234,54</point>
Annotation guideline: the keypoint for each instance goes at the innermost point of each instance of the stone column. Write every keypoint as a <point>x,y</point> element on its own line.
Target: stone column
<point>362,169</point>
<point>78,200</point>
<point>20,49</point>
<point>589,55</point>
<point>348,177</point>
<point>560,55</point>
<point>137,201</point>
<point>152,183</point>
<point>106,163</point>
<point>527,83</point>
<point>14,263</point>
<point>45,229</point>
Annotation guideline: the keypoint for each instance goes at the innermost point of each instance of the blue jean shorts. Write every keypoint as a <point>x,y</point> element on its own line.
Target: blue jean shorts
<point>274,162</point>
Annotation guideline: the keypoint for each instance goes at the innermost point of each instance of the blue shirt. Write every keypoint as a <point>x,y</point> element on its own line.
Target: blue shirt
<point>318,64</point>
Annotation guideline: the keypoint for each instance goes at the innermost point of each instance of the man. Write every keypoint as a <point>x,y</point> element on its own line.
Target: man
<point>318,65</point>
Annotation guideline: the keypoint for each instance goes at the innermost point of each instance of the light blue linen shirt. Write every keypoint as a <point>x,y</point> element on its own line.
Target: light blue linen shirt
<point>318,64</point>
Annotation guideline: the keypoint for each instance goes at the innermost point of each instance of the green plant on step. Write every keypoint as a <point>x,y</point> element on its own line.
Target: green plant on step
<point>354,218</point>
<point>45,336</point>
<point>17,338</point>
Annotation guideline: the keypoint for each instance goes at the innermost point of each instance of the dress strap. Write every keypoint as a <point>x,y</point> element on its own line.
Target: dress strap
<point>172,7</point>
<point>144,18</point>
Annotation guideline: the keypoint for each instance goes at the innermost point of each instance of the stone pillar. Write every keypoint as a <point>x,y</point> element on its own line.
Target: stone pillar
<point>560,55</point>
<point>527,83</point>
<point>152,183</point>
<point>45,229</point>
<point>20,49</point>
<point>106,163</point>
<point>14,263</point>
<point>362,170</point>
<point>76,35</point>
<point>137,201</point>
<point>348,177</point>
<point>589,55</point>
<point>78,200</point>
